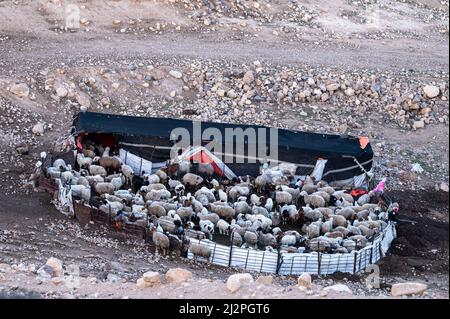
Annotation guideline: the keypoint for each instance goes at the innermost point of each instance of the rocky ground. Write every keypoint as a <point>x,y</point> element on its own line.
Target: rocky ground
<point>375,67</point>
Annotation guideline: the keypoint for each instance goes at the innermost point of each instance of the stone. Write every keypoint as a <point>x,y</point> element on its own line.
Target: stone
<point>38,129</point>
<point>176,275</point>
<point>152,278</point>
<point>305,280</point>
<point>332,87</point>
<point>22,149</point>
<point>349,92</point>
<point>419,124</point>
<point>176,74</point>
<point>265,280</point>
<point>408,288</point>
<point>56,266</point>
<point>338,288</point>
<point>2,277</point>
<point>417,168</point>
<point>141,283</point>
<point>57,280</point>
<point>61,91</point>
<point>112,278</point>
<point>431,91</point>
<point>83,100</point>
<point>443,187</point>
<point>235,281</point>
<point>20,89</point>
<point>232,94</point>
<point>248,77</point>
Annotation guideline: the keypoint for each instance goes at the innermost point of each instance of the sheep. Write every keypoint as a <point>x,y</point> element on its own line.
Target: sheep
<point>207,227</point>
<point>312,214</point>
<point>309,188</point>
<point>339,220</point>
<point>295,192</point>
<point>124,194</point>
<point>156,187</point>
<point>161,241</point>
<point>366,231</point>
<point>196,234</point>
<point>206,169</point>
<point>313,200</point>
<point>81,191</point>
<point>151,178</point>
<point>276,231</point>
<point>118,182</point>
<point>236,191</point>
<point>282,197</point>
<point>236,239</point>
<point>289,213</point>
<point>313,230</point>
<point>200,251</point>
<point>60,164</point>
<point>225,212</point>
<point>280,180</point>
<point>179,189</point>
<point>261,181</point>
<point>83,161</point>
<point>192,179</point>
<point>361,241</point>
<point>208,196</point>
<point>127,172</point>
<point>256,210</point>
<point>343,230</point>
<point>251,239</point>
<point>326,227</point>
<point>185,212</point>
<point>97,170</point>
<point>213,217</point>
<point>364,199</point>
<point>242,208</point>
<point>83,181</point>
<point>363,215</point>
<point>353,230</point>
<point>322,244</point>
<point>342,195</point>
<point>103,188</point>
<point>276,218</point>
<point>324,195</point>
<point>161,174</point>
<point>161,194</point>
<point>67,177</point>
<point>113,164</point>
<point>156,209</point>
<point>269,204</point>
<point>266,239</point>
<point>173,183</point>
<point>327,189</point>
<point>88,153</point>
<point>167,224</point>
<point>347,212</point>
<point>224,227</point>
<point>288,240</point>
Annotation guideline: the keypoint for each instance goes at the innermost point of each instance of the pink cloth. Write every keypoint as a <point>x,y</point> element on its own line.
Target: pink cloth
<point>380,186</point>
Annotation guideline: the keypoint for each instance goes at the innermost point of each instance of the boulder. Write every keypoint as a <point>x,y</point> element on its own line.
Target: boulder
<point>408,288</point>
<point>20,89</point>
<point>431,91</point>
<point>55,265</point>
<point>38,129</point>
<point>176,74</point>
<point>176,275</point>
<point>305,280</point>
<point>338,288</point>
<point>235,281</point>
<point>265,280</point>
<point>152,278</point>
<point>248,77</point>
<point>61,91</point>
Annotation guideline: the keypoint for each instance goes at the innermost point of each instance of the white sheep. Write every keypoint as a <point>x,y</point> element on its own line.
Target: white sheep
<point>212,217</point>
<point>127,172</point>
<point>81,191</point>
<point>251,239</point>
<point>97,170</point>
<point>207,227</point>
<point>151,178</point>
<point>83,161</point>
<point>224,227</point>
<point>313,200</point>
<point>242,207</point>
<point>60,164</point>
<point>288,240</point>
<point>118,182</point>
<point>103,188</point>
<point>225,212</point>
<point>282,197</point>
<point>192,179</point>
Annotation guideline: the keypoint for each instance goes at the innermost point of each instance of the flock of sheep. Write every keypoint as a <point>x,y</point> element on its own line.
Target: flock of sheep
<point>267,212</point>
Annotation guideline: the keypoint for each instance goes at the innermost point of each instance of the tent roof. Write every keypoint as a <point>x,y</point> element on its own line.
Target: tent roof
<point>162,127</point>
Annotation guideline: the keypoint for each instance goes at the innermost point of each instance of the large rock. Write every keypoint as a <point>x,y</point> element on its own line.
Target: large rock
<point>431,91</point>
<point>38,129</point>
<point>265,280</point>
<point>2,277</point>
<point>408,288</point>
<point>61,91</point>
<point>20,89</point>
<point>56,266</point>
<point>176,74</point>
<point>443,187</point>
<point>338,288</point>
<point>176,275</point>
<point>332,87</point>
<point>83,100</point>
<point>152,278</point>
<point>235,281</point>
<point>305,280</point>
<point>248,77</point>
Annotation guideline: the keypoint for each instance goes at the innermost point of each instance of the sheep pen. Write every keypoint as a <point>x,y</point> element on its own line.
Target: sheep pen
<point>276,222</point>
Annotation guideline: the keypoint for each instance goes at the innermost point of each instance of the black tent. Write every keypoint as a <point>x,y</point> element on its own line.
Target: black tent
<point>150,138</point>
